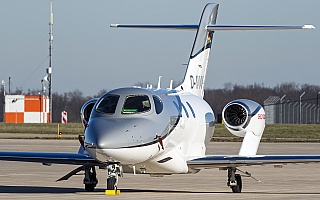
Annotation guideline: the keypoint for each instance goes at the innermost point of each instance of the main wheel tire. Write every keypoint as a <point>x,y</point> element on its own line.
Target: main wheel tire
<point>237,188</point>
<point>89,187</point>
<point>111,181</point>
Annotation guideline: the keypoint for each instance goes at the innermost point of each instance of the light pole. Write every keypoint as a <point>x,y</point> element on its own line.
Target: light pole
<point>300,112</point>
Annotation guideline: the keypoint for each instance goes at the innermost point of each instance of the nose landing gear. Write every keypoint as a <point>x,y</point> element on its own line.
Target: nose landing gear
<point>114,172</point>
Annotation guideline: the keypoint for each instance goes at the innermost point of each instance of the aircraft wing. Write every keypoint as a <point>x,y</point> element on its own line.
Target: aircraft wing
<point>217,161</point>
<point>49,158</point>
<point>213,27</point>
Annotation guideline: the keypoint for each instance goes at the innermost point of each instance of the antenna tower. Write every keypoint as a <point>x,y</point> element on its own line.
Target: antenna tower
<point>49,70</point>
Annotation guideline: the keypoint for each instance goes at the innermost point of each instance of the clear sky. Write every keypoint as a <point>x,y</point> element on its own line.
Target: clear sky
<point>89,55</point>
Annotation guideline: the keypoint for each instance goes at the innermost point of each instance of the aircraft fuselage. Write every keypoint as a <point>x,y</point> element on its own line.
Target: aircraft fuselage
<point>154,129</point>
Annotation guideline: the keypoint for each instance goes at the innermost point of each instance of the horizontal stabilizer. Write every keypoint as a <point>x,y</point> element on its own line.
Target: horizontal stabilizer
<point>255,27</point>
<point>158,26</point>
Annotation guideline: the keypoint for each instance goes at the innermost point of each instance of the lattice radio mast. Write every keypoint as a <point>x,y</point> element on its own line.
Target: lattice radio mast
<point>49,70</point>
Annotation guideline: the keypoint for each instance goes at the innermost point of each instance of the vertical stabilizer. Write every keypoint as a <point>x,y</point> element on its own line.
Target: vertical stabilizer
<point>194,78</point>
<point>195,75</point>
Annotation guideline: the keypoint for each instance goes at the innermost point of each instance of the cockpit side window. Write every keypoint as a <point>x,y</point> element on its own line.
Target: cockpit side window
<point>158,104</point>
<point>136,104</point>
<point>108,104</point>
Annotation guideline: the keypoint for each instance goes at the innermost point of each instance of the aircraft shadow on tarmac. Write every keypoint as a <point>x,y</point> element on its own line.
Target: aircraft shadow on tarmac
<point>37,189</point>
<point>210,192</point>
<point>59,190</point>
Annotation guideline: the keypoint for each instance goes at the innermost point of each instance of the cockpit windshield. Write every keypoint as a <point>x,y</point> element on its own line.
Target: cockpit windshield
<point>136,104</point>
<point>108,104</point>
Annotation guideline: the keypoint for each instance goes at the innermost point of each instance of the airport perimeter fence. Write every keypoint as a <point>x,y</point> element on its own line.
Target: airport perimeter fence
<point>301,111</point>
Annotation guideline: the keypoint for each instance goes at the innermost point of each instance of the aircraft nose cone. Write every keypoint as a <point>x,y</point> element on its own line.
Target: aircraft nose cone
<point>105,134</point>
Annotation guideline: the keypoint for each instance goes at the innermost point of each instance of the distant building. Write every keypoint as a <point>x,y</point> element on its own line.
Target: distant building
<point>26,109</point>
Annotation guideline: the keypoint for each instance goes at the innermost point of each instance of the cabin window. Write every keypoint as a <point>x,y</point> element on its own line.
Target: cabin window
<point>108,104</point>
<point>136,104</point>
<point>158,104</point>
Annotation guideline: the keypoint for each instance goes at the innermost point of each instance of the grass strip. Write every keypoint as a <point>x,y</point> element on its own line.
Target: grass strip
<point>272,133</point>
<point>70,128</point>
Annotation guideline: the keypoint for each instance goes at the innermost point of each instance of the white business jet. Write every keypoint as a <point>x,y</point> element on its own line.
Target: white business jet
<point>161,132</point>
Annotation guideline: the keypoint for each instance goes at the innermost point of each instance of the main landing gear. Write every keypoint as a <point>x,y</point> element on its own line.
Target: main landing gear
<point>90,180</point>
<point>234,180</point>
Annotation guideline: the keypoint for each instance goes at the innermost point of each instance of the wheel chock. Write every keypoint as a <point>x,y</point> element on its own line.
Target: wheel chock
<point>112,192</point>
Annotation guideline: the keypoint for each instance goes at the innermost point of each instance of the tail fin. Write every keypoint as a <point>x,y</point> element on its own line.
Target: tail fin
<point>195,75</point>
<point>196,71</point>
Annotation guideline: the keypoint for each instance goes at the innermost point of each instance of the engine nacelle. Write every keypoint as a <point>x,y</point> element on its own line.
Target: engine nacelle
<point>242,116</point>
<point>85,111</point>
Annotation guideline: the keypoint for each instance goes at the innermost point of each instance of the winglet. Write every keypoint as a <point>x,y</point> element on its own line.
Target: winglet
<point>308,26</point>
<point>114,25</point>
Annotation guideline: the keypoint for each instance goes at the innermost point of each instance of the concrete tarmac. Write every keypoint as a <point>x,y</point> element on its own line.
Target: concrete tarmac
<point>34,181</point>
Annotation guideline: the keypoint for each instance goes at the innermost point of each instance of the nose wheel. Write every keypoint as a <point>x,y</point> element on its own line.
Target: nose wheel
<point>112,183</point>
<point>114,172</point>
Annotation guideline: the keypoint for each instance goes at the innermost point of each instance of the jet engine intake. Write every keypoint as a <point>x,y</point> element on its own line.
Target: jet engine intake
<point>242,116</point>
<point>85,111</point>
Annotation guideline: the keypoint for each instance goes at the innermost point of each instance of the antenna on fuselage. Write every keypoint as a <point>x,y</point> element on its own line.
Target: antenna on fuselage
<point>159,83</point>
<point>171,83</point>
<point>149,86</point>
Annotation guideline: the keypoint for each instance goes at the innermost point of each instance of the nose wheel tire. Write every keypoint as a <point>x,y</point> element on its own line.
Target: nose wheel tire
<point>111,183</point>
